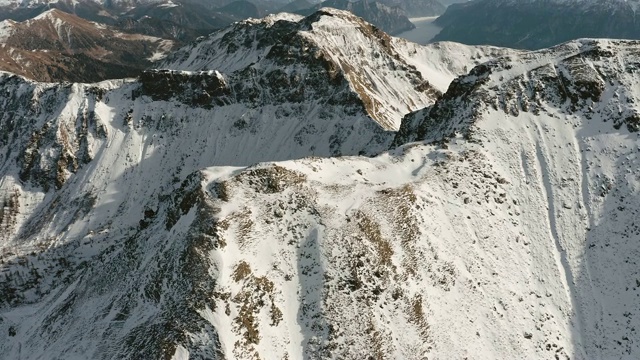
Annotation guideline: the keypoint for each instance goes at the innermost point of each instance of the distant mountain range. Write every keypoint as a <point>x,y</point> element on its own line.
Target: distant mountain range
<point>120,38</point>
<point>392,20</point>
<point>58,46</point>
<point>418,8</point>
<point>534,24</point>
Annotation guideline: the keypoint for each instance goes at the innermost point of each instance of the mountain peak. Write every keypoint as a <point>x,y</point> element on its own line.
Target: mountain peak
<point>342,44</point>
<point>58,19</point>
<point>51,14</point>
<point>271,19</point>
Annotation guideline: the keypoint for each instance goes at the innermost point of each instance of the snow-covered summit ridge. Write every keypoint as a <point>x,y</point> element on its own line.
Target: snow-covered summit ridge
<point>590,76</point>
<point>344,44</point>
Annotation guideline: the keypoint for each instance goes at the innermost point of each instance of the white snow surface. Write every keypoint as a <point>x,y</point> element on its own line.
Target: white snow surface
<point>6,29</point>
<point>141,228</point>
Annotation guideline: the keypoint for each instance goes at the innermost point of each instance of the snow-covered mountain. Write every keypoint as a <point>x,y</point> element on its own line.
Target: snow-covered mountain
<point>535,24</point>
<point>563,125</point>
<point>390,75</point>
<point>89,168</point>
<point>501,224</point>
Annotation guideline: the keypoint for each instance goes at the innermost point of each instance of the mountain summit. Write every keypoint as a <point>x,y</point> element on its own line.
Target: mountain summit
<point>373,64</point>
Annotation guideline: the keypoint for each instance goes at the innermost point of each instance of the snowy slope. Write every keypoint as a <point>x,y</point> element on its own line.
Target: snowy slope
<point>86,166</point>
<point>563,124</point>
<point>135,224</point>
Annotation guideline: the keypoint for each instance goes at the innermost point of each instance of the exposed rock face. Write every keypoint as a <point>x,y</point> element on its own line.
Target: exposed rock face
<point>56,46</point>
<point>206,89</point>
<point>535,24</point>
